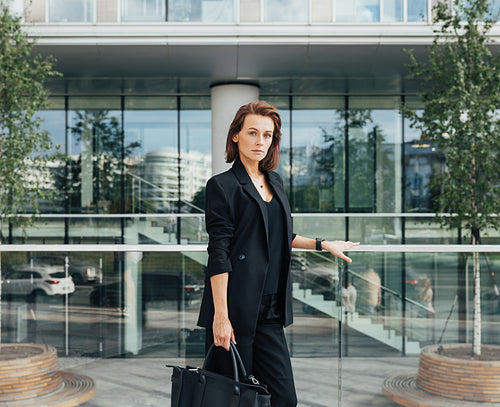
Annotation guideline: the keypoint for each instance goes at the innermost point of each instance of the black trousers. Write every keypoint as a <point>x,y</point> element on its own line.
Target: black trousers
<point>264,355</point>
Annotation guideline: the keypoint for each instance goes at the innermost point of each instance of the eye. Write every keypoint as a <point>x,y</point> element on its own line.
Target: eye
<point>252,133</point>
<point>268,135</point>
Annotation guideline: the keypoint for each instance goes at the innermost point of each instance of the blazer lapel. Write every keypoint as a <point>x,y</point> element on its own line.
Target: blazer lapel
<point>281,195</point>
<point>245,181</point>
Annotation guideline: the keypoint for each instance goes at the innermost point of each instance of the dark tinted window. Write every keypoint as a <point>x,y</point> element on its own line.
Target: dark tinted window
<point>58,274</point>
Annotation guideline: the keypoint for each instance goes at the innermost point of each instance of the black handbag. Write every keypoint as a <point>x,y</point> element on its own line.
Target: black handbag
<point>199,387</point>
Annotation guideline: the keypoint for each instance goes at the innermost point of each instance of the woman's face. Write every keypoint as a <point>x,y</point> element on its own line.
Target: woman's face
<point>254,138</point>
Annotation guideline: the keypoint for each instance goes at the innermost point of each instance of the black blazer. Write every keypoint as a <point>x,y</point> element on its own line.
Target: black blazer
<point>236,220</point>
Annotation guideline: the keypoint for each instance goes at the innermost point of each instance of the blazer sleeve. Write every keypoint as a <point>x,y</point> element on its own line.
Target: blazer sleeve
<point>220,229</point>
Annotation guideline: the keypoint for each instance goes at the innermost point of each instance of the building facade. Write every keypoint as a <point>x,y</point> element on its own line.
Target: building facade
<point>148,90</point>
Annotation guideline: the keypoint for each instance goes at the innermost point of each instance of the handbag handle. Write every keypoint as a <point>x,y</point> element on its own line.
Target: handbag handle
<point>236,359</point>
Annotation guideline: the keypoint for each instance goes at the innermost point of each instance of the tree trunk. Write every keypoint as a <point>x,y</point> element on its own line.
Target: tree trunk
<point>476,343</point>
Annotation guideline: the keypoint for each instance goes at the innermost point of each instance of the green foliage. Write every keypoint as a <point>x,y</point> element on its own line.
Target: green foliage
<point>25,148</point>
<point>460,92</point>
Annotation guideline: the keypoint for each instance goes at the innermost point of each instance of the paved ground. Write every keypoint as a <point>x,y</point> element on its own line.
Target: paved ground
<point>146,382</point>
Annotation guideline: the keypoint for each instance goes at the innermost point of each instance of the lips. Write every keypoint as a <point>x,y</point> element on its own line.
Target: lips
<point>258,151</point>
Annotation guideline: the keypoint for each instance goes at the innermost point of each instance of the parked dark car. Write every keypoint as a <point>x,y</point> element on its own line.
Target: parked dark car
<point>82,272</point>
<point>160,285</point>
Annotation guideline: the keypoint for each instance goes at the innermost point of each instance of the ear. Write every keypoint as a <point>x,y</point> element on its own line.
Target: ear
<point>235,138</point>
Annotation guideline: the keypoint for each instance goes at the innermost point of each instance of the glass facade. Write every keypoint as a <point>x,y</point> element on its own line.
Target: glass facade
<point>207,11</point>
<point>290,11</point>
<point>224,11</point>
<point>141,153</point>
<point>387,11</point>
<point>142,10</point>
<point>135,174</point>
<point>71,11</point>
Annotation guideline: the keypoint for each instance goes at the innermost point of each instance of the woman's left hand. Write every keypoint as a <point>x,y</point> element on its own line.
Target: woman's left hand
<point>338,247</point>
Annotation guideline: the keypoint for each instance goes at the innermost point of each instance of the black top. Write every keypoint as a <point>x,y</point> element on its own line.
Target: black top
<point>277,251</point>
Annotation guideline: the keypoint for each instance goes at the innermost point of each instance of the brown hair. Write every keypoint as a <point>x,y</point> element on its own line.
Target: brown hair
<point>259,108</point>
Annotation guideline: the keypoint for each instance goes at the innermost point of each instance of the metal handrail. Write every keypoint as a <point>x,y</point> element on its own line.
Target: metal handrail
<point>400,248</point>
<point>169,215</point>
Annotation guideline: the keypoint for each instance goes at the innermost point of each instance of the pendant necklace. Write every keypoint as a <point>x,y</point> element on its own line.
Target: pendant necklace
<point>257,182</point>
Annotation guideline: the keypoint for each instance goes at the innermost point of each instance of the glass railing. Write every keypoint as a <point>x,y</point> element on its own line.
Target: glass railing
<point>109,300</point>
<point>189,228</point>
<point>351,321</point>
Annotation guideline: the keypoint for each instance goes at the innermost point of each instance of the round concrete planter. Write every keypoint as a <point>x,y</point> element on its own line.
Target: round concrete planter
<point>30,376</point>
<point>462,379</point>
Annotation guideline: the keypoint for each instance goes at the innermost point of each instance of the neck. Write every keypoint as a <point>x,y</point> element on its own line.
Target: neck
<point>252,168</point>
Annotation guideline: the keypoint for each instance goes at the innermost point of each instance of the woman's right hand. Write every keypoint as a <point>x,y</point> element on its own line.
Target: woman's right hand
<point>223,331</point>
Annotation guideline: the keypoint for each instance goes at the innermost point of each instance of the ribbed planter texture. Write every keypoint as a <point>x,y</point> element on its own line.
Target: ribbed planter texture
<point>30,376</point>
<point>462,379</point>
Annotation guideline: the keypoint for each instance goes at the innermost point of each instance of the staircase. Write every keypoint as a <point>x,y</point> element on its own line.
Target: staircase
<point>363,324</point>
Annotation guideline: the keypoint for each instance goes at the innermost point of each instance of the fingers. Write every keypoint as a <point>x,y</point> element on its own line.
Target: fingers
<point>344,257</point>
<point>350,245</point>
<point>338,247</point>
<point>223,332</point>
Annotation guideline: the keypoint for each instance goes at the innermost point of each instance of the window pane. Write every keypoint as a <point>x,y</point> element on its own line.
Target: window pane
<point>196,154</point>
<point>201,10</point>
<point>374,158</point>
<point>143,10</point>
<point>318,154</point>
<point>195,164</point>
<point>367,10</point>
<point>357,10</point>
<point>296,11</point>
<point>421,160</point>
<point>417,10</point>
<point>151,154</point>
<point>65,11</point>
<point>95,149</point>
<point>393,10</point>
<point>54,121</point>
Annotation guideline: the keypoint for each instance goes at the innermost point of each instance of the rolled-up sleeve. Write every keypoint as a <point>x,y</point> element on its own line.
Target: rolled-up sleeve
<point>220,229</point>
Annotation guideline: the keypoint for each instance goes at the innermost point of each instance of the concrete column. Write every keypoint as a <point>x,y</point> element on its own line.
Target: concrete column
<point>226,99</point>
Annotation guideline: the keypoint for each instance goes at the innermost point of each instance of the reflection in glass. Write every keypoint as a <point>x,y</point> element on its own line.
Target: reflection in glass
<point>95,163</point>
<point>142,10</point>
<point>357,10</point>
<point>53,121</point>
<point>195,165</point>
<point>318,156</point>
<point>417,10</point>
<point>151,171</point>
<point>421,161</point>
<point>71,11</point>
<point>375,230</point>
<point>196,153</point>
<point>286,11</point>
<point>374,157</point>
<point>207,11</point>
<point>393,10</point>
<point>283,106</point>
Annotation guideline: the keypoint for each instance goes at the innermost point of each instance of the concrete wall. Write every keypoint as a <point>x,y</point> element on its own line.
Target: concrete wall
<point>250,11</point>
<point>35,11</point>
<point>107,11</point>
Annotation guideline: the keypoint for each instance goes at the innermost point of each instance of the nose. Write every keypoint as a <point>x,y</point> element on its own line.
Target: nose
<point>260,139</point>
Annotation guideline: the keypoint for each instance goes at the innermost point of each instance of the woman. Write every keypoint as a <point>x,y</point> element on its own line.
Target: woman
<point>248,290</point>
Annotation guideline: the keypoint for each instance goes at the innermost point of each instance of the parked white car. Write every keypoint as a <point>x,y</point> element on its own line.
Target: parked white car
<point>36,282</point>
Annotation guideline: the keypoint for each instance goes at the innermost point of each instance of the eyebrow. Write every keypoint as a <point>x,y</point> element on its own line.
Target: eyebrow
<point>254,128</point>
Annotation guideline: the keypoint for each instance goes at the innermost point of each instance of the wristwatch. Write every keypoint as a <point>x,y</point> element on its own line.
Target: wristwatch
<point>318,244</point>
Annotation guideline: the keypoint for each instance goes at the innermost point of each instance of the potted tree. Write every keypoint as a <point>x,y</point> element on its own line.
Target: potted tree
<point>29,373</point>
<point>460,94</point>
